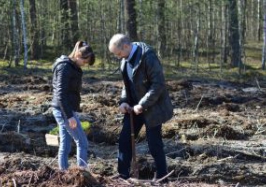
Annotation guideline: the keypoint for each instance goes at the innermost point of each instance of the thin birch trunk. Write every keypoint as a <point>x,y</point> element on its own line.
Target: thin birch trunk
<point>258,21</point>
<point>196,42</point>
<point>264,35</point>
<point>24,33</point>
<point>223,35</point>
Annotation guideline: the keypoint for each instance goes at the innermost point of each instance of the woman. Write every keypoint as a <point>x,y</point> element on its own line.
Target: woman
<point>67,81</point>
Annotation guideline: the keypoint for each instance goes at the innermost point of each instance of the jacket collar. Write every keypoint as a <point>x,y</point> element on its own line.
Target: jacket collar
<point>133,50</point>
<point>138,50</point>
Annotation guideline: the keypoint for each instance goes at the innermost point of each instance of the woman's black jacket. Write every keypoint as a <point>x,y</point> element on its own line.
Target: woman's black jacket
<point>67,81</point>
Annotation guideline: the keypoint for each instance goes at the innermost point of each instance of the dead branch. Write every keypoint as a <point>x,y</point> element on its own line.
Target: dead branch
<point>161,179</point>
<point>259,127</point>
<point>3,126</point>
<point>138,182</point>
<point>141,182</point>
<point>14,182</point>
<point>258,84</point>
<point>30,180</point>
<point>224,159</point>
<point>199,103</point>
<point>49,164</point>
<point>174,152</point>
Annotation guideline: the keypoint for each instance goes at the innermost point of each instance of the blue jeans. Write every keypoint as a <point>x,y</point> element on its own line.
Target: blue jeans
<point>155,144</point>
<point>66,134</point>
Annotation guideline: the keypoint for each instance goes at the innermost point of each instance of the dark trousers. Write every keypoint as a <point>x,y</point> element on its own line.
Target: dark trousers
<point>155,144</point>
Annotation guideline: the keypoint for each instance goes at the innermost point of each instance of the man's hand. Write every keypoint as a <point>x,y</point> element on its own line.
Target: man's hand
<point>72,123</point>
<point>125,108</point>
<point>138,109</point>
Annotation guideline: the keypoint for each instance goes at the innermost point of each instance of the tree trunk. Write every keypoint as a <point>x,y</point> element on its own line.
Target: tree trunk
<point>15,39</point>
<point>34,31</point>
<point>24,33</point>
<point>131,19</point>
<point>65,34</point>
<point>242,30</point>
<point>74,22</point>
<point>211,35</point>
<point>43,31</point>
<point>161,28</point>
<point>258,21</point>
<point>141,24</point>
<point>103,33</point>
<point>196,43</point>
<point>224,35</point>
<point>121,17</point>
<point>179,34</point>
<point>264,35</point>
<point>234,35</point>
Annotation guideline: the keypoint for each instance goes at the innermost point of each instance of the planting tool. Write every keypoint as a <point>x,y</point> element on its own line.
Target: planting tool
<point>134,164</point>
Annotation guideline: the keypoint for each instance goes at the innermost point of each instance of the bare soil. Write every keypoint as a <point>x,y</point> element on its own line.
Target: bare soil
<point>216,137</point>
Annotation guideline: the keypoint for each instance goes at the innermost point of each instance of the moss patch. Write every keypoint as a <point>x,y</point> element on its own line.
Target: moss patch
<point>86,126</point>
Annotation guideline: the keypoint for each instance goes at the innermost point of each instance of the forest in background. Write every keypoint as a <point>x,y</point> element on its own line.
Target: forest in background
<point>213,32</point>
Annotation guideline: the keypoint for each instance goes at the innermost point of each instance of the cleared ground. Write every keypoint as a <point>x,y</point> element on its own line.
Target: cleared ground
<point>216,137</point>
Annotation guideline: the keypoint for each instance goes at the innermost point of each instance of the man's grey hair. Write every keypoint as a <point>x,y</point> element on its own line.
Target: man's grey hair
<point>118,40</point>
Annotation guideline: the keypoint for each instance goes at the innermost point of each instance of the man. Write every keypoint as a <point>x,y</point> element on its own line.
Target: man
<point>145,94</point>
